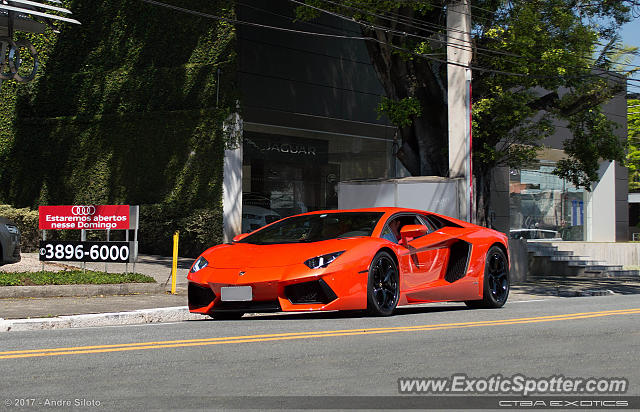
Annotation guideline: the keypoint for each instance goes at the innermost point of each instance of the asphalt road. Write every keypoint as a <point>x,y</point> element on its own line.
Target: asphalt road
<point>289,359</point>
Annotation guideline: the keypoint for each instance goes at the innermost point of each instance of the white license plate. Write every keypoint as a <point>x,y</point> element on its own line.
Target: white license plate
<point>236,293</point>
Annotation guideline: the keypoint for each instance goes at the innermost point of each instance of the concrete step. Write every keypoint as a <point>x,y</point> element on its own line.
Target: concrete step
<point>538,247</point>
<point>625,272</point>
<point>564,258</point>
<point>546,259</point>
<point>563,253</point>
<point>598,268</point>
<point>551,253</point>
<point>581,263</point>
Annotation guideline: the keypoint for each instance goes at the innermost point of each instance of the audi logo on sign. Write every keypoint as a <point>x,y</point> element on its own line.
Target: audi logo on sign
<point>83,210</point>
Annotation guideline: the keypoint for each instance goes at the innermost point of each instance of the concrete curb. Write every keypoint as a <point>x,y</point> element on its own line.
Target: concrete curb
<point>50,291</point>
<point>142,316</point>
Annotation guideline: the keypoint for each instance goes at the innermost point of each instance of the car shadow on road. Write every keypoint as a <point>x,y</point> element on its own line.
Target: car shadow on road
<point>347,314</point>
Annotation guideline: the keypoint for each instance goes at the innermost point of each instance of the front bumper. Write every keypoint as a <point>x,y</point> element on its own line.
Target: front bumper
<point>278,289</point>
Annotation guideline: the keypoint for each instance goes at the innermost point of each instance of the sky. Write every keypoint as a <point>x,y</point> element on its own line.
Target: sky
<point>631,37</point>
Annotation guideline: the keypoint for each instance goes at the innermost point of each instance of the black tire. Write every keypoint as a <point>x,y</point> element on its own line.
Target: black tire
<point>226,315</point>
<point>495,289</point>
<point>383,286</point>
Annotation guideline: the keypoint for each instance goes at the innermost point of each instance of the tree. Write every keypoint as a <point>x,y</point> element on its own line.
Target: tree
<point>525,51</point>
<point>633,156</point>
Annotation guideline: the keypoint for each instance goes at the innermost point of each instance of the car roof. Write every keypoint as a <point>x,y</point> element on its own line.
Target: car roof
<point>390,210</point>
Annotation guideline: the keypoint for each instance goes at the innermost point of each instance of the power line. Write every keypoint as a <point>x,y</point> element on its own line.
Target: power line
<point>376,27</point>
<point>363,38</point>
<point>386,29</point>
<point>448,43</point>
<point>406,18</point>
<point>338,30</point>
<point>413,23</point>
<point>247,23</point>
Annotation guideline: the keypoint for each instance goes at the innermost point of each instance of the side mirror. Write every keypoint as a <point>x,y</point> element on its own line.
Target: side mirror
<point>412,231</point>
<point>240,237</point>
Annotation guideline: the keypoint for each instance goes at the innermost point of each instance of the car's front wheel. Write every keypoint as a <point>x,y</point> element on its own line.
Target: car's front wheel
<point>383,287</point>
<point>495,289</point>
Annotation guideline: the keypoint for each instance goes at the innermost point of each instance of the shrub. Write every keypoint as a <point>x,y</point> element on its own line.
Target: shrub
<point>199,229</point>
<point>72,277</point>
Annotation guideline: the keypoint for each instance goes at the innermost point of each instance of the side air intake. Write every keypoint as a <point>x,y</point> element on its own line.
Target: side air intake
<point>459,253</point>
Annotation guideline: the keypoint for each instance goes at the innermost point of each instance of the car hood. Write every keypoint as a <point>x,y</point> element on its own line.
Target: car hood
<point>4,220</point>
<point>245,255</point>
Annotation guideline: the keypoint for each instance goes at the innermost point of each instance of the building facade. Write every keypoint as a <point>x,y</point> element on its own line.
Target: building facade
<point>532,202</point>
<point>310,122</point>
<point>309,117</point>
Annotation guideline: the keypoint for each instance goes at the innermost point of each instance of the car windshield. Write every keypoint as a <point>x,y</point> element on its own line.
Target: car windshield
<point>316,227</point>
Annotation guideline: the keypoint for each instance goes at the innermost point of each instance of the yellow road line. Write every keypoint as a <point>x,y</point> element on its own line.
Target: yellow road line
<point>481,323</point>
<point>301,335</point>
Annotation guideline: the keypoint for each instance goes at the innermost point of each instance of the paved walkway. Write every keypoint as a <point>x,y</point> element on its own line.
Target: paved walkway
<point>158,267</point>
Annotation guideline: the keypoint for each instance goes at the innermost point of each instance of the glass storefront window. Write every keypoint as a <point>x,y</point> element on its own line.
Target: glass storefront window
<point>544,206</point>
<point>287,175</point>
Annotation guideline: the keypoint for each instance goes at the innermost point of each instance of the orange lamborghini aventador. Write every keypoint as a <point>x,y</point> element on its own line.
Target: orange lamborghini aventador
<point>369,259</point>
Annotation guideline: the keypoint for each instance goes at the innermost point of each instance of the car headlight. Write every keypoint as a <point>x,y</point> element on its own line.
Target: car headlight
<point>12,229</point>
<point>200,263</point>
<point>322,261</point>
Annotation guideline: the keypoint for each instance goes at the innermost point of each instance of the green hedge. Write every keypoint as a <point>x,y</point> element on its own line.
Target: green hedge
<point>199,229</point>
<point>71,277</point>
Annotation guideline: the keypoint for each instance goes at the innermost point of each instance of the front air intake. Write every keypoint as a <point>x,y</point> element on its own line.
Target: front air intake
<point>316,291</point>
<point>200,296</point>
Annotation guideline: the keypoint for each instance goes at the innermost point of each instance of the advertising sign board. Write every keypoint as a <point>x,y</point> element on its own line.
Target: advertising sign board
<point>74,251</point>
<point>89,217</point>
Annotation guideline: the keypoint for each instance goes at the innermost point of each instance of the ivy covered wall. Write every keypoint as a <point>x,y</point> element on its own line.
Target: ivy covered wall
<point>127,108</point>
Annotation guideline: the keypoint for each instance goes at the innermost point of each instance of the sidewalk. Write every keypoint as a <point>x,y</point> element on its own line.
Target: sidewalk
<point>159,306</point>
<point>158,267</point>
<point>96,304</point>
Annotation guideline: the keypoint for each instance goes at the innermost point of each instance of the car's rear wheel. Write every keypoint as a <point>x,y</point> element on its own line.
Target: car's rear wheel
<point>496,281</point>
<point>226,315</point>
<point>383,287</point>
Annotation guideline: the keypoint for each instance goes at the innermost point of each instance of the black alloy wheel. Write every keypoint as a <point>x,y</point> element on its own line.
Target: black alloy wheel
<point>496,281</point>
<point>383,287</point>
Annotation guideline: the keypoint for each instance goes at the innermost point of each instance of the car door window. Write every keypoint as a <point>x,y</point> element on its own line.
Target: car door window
<point>427,223</point>
<point>404,219</point>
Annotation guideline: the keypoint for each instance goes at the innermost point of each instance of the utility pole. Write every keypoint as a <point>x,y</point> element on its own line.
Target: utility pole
<point>459,53</point>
